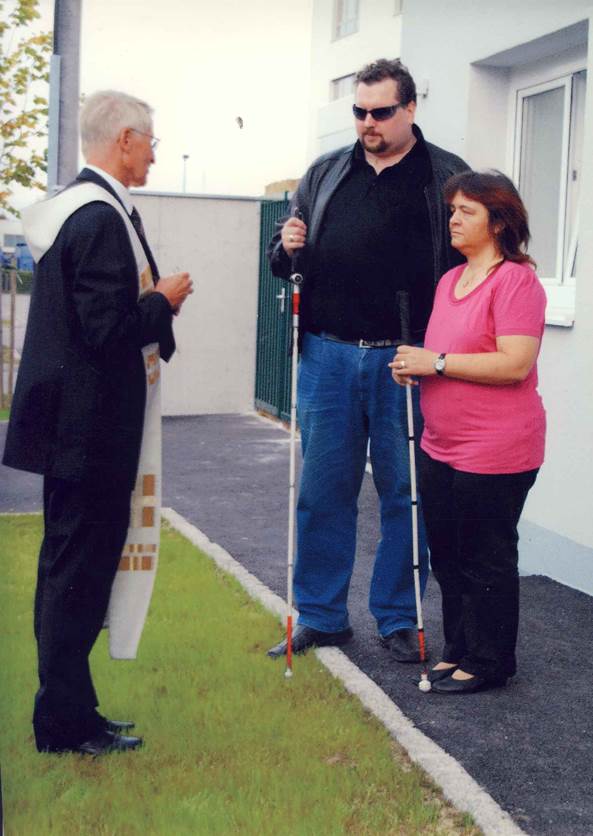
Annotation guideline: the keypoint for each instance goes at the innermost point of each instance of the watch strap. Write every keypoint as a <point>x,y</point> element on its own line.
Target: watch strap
<point>439,364</point>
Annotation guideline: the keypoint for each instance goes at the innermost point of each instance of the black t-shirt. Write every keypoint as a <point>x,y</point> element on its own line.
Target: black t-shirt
<point>374,240</point>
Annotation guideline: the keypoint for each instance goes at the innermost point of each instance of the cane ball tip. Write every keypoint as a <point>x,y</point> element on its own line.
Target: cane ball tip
<point>424,684</point>
<point>288,674</point>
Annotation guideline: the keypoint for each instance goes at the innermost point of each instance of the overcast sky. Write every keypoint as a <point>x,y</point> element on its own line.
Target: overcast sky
<point>200,64</point>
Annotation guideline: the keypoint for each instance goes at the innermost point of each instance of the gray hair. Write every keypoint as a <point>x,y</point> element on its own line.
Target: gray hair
<point>105,113</point>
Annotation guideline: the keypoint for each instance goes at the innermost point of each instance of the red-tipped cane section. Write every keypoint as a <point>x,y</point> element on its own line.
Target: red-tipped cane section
<point>296,301</point>
<point>421,644</point>
<point>289,642</point>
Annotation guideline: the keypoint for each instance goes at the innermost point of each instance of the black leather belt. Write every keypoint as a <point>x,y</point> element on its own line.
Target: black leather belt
<point>360,343</point>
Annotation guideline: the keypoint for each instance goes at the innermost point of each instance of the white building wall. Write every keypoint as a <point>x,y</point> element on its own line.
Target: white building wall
<point>10,226</point>
<point>440,41</point>
<point>457,46</point>
<point>217,241</point>
<point>378,36</point>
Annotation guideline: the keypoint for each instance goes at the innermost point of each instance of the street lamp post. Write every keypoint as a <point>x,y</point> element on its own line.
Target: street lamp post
<point>64,94</point>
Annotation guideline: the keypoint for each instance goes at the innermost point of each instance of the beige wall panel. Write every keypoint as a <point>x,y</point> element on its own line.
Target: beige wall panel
<point>217,241</point>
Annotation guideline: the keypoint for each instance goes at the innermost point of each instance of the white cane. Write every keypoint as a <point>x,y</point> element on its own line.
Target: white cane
<point>297,279</point>
<point>404,310</point>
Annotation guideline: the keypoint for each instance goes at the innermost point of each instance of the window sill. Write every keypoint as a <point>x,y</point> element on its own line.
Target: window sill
<point>560,317</point>
<point>560,310</point>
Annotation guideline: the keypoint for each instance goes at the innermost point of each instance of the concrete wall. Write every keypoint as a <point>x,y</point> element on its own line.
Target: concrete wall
<point>378,36</point>
<point>469,52</point>
<point>217,241</point>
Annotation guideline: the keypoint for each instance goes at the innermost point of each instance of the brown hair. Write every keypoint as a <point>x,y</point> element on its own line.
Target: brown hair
<point>507,215</point>
<point>384,68</point>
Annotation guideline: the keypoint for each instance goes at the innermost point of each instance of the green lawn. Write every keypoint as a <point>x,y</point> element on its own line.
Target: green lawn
<point>231,746</point>
<point>4,413</point>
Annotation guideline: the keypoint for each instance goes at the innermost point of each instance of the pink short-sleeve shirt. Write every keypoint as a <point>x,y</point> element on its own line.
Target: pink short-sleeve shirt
<point>478,427</point>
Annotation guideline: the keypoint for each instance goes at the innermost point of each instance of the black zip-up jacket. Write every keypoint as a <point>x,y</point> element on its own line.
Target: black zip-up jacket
<point>316,188</point>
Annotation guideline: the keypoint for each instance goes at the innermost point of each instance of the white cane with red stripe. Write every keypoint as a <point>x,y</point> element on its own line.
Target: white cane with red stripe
<point>297,279</point>
<point>296,298</point>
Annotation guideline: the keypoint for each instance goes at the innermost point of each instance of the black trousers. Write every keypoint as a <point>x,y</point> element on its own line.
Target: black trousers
<point>85,531</point>
<point>471,523</point>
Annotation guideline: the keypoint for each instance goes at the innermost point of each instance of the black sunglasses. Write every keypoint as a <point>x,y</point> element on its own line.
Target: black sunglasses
<point>379,114</point>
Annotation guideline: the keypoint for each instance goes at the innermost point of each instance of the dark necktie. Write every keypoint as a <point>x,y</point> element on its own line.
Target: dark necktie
<point>137,223</point>
<point>139,227</point>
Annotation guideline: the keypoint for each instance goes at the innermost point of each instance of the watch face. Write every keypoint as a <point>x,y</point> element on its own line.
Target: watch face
<point>439,364</point>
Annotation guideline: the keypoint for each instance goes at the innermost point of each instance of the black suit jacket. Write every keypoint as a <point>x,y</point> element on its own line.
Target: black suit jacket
<point>78,407</point>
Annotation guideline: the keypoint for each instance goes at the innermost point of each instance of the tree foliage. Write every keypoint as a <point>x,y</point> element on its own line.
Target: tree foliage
<point>24,75</point>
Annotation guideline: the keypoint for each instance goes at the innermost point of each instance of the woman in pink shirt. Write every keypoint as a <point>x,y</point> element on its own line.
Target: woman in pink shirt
<point>483,440</point>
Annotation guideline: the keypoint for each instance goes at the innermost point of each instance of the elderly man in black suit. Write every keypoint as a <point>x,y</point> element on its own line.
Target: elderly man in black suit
<point>78,410</point>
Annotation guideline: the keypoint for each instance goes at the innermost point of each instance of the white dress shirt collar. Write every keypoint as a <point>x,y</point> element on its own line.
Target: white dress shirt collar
<point>118,187</point>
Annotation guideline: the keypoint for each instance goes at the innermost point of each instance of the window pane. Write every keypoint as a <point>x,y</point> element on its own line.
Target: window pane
<point>540,172</point>
<point>346,17</point>
<point>342,86</point>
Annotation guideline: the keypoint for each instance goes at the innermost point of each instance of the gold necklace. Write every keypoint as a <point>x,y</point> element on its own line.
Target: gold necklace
<point>465,283</point>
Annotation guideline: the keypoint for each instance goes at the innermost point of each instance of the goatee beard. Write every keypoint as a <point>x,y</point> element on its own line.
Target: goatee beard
<point>374,149</point>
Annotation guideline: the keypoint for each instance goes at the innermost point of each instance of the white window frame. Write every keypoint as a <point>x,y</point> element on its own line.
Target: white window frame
<point>560,288</point>
<point>340,21</point>
<point>336,85</point>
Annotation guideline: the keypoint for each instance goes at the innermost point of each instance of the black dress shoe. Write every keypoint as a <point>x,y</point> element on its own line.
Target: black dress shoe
<point>107,742</point>
<point>305,637</point>
<point>403,645</point>
<point>101,744</point>
<point>118,726</point>
<point>467,686</point>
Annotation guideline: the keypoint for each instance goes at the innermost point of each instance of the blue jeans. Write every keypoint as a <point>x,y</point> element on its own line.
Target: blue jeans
<point>346,397</point>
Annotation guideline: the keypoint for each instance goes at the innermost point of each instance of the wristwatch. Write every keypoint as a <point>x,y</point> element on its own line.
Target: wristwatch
<point>439,364</point>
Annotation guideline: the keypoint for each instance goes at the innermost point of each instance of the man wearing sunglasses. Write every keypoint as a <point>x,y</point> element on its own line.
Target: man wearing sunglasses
<point>372,222</point>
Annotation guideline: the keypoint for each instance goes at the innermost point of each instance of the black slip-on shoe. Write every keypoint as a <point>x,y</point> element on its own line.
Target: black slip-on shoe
<point>467,686</point>
<point>305,637</point>
<point>403,645</point>
<point>443,673</point>
<point>102,744</point>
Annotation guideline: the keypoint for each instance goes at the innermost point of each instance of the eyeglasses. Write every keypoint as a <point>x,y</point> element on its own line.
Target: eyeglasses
<point>379,114</point>
<point>153,139</point>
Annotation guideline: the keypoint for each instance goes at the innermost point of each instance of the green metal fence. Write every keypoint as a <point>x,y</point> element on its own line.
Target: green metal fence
<point>273,363</point>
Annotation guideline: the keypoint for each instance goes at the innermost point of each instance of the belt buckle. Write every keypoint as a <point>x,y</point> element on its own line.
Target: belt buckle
<point>364,344</point>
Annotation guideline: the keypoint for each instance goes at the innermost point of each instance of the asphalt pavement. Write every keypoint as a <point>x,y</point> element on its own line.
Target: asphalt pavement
<point>528,745</point>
